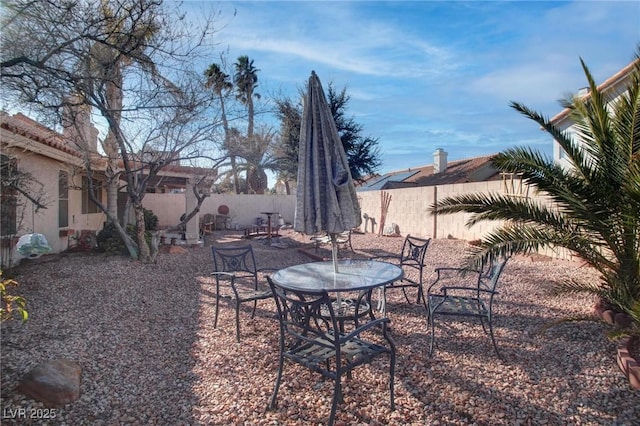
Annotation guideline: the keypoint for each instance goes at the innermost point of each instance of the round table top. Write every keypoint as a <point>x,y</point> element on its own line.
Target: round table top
<point>352,275</point>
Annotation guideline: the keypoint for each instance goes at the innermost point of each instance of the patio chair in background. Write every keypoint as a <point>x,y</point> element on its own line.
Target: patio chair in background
<point>310,336</point>
<point>343,240</point>
<point>221,220</point>
<point>466,293</point>
<point>411,260</point>
<point>207,224</point>
<point>236,277</point>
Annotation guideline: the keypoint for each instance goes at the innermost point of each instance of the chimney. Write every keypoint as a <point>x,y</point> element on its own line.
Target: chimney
<point>439,161</point>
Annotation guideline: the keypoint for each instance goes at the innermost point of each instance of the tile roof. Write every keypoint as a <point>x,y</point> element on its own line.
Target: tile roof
<point>476,169</point>
<point>610,83</point>
<point>22,125</point>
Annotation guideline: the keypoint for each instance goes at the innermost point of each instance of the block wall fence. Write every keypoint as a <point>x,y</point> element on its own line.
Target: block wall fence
<point>408,209</point>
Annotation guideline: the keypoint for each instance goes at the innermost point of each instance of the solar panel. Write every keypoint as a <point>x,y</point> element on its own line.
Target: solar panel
<point>390,177</point>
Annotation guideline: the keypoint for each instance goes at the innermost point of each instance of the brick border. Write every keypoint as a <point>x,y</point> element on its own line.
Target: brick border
<point>629,366</point>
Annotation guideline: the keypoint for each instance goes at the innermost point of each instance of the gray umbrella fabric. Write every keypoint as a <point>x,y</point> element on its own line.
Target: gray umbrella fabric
<point>326,199</point>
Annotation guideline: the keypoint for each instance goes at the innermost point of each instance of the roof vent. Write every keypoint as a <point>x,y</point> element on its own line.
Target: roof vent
<point>439,161</point>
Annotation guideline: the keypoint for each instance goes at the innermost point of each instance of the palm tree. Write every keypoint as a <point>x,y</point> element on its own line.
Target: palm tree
<point>219,81</point>
<point>596,202</point>
<point>246,81</point>
<point>258,153</point>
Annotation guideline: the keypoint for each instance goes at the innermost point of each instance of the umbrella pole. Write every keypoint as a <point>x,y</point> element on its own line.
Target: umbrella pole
<point>334,252</point>
<point>334,258</point>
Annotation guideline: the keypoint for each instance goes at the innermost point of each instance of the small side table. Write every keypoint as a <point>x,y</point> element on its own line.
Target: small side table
<point>269,214</point>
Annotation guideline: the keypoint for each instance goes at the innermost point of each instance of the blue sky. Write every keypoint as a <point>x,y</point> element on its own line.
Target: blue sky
<point>434,74</point>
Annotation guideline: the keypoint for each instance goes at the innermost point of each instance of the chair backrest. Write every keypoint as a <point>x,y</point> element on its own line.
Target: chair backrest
<point>413,252</point>
<point>303,316</point>
<point>207,218</point>
<point>238,260</point>
<point>205,222</point>
<point>489,278</point>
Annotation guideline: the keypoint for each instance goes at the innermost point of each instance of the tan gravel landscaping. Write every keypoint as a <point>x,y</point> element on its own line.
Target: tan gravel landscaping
<point>143,335</point>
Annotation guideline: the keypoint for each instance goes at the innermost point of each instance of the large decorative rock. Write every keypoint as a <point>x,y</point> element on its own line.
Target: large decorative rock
<point>55,382</point>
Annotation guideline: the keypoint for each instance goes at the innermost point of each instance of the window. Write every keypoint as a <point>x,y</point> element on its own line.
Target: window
<point>8,196</point>
<point>89,206</point>
<point>63,199</point>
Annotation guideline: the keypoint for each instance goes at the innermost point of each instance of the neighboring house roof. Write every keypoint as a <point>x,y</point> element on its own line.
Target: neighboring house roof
<point>31,134</point>
<point>476,169</point>
<point>22,125</point>
<point>612,87</point>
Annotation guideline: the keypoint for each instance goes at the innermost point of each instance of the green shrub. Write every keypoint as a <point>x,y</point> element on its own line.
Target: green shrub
<point>110,241</point>
<point>150,220</point>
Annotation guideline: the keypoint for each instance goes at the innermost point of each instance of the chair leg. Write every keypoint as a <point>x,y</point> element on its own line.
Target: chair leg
<point>406,296</point>
<point>337,396</point>
<point>493,340</point>
<point>392,372</point>
<point>392,368</point>
<point>433,332</point>
<point>215,317</point>
<point>253,313</point>
<point>238,322</point>
<point>274,395</point>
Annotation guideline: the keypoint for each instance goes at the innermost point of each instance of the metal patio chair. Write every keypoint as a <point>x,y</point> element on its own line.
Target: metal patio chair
<point>236,277</point>
<point>343,240</point>
<point>411,260</point>
<point>464,293</point>
<point>310,336</point>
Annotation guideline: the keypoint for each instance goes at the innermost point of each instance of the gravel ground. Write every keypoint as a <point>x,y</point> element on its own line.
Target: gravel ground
<point>144,337</point>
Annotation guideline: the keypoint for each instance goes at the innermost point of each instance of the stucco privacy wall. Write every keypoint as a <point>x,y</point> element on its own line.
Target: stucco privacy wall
<point>243,208</point>
<point>409,210</point>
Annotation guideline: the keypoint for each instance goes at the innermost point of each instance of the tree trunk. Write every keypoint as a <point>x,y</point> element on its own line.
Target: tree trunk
<point>144,253</point>
<point>110,144</point>
<point>112,197</point>
<point>234,171</point>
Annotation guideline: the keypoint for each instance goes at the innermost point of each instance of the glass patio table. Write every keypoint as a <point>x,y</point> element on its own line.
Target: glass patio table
<point>360,276</point>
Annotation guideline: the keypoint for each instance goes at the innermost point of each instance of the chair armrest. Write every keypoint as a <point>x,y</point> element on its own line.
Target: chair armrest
<point>364,327</point>
<point>459,271</point>
<point>450,274</point>
<point>388,256</point>
<point>469,289</point>
<point>228,275</point>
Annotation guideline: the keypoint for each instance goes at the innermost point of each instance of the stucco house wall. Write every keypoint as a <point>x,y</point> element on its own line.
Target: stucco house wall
<point>613,88</point>
<point>45,221</point>
<point>43,153</point>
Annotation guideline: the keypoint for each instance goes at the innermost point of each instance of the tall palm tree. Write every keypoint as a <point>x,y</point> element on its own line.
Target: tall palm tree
<point>596,202</point>
<point>219,81</point>
<point>246,80</point>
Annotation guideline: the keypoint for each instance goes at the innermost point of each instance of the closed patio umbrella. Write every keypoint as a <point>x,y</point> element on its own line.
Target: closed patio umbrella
<point>326,199</point>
